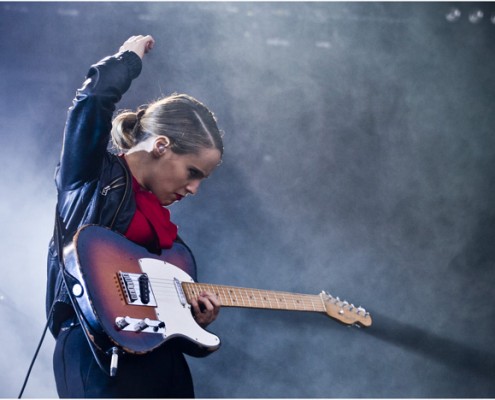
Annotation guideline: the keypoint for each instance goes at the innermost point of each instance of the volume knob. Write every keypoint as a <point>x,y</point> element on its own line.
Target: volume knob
<point>141,326</point>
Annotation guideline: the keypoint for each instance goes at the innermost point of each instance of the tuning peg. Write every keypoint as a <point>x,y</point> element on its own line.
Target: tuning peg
<point>345,303</point>
<point>325,295</point>
<point>352,307</point>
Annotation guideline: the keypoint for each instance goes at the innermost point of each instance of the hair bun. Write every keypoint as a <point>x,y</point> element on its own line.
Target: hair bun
<point>140,114</point>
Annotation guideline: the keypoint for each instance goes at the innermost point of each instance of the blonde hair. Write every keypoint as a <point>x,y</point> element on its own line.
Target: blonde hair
<point>188,123</point>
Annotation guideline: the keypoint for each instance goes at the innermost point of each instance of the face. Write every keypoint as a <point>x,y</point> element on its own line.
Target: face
<point>174,176</point>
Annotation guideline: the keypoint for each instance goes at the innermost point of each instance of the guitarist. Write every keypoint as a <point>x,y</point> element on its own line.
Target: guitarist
<point>164,151</point>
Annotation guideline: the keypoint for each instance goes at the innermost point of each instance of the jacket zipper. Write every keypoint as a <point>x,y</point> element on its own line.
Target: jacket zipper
<point>112,185</point>
<point>126,183</point>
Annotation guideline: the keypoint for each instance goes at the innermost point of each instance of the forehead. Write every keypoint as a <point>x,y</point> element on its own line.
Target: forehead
<point>206,160</point>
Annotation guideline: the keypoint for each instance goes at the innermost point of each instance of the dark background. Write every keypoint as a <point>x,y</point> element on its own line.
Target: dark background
<point>359,159</point>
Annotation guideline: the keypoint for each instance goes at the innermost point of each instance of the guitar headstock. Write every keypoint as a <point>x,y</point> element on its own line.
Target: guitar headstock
<point>344,312</point>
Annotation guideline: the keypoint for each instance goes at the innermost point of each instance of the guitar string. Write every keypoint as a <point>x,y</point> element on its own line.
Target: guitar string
<point>241,297</point>
<point>257,297</point>
<point>245,297</point>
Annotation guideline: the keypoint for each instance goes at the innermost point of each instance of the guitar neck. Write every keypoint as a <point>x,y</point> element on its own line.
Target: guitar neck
<point>231,296</point>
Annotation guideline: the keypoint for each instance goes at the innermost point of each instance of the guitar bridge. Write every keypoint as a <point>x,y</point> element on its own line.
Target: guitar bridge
<point>137,289</point>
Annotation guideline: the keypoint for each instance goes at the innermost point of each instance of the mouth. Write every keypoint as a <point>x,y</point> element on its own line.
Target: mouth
<point>178,196</point>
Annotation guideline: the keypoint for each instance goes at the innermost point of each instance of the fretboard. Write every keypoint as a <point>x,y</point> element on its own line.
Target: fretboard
<point>231,296</point>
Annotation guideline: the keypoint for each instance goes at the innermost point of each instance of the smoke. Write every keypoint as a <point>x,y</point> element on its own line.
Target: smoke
<point>26,215</point>
<point>358,160</point>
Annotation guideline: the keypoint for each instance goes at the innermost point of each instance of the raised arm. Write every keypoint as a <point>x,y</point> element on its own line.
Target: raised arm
<point>89,120</point>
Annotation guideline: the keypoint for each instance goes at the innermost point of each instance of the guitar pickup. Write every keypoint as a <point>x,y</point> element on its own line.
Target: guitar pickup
<point>137,289</point>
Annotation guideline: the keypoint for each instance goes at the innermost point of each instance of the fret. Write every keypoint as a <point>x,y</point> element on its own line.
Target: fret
<point>230,296</point>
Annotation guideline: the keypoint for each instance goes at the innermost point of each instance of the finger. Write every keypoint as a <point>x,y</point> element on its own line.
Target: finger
<point>213,298</point>
<point>195,306</point>
<point>150,42</point>
<point>206,303</point>
<point>216,302</point>
<point>210,306</point>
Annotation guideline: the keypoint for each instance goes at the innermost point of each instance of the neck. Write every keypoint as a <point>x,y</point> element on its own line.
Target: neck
<point>230,296</point>
<point>137,162</point>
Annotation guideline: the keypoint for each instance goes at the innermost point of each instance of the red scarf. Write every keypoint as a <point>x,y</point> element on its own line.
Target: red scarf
<point>150,226</point>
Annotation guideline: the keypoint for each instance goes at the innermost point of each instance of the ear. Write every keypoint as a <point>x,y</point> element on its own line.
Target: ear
<point>160,145</point>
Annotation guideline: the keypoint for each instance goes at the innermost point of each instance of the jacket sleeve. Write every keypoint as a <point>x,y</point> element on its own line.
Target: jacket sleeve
<point>89,120</point>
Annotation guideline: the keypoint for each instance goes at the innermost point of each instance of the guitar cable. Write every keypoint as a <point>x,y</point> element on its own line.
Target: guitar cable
<point>36,353</point>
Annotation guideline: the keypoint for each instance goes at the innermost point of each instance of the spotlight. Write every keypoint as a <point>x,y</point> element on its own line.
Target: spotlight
<point>492,18</point>
<point>476,16</point>
<point>453,15</point>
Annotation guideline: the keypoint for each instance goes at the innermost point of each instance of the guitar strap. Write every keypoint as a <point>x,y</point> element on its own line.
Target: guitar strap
<point>66,278</point>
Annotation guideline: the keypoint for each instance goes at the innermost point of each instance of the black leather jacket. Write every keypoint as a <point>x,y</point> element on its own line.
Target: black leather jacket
<point>93,185</point>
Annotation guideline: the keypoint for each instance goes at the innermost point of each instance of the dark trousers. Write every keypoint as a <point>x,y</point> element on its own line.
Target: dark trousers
<point>163,373</point>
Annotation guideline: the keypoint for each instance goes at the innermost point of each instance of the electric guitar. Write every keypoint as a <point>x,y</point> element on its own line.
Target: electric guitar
<point>129,298</point>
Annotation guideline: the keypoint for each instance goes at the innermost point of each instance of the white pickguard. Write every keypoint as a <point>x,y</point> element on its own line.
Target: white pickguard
<point>177,316</point>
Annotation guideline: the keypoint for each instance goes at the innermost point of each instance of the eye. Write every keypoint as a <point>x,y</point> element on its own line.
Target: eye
<point>195,173</point>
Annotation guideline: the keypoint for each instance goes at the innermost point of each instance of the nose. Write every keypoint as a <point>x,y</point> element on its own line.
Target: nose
<point>193,186</point>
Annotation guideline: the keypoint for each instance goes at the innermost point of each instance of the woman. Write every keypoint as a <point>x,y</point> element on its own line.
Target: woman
<point>167,149</point>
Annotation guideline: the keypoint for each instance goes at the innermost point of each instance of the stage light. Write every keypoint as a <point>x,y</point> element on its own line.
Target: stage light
<point>475,16</point>
<point>453,15</point>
